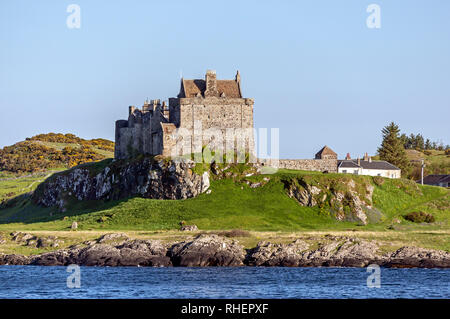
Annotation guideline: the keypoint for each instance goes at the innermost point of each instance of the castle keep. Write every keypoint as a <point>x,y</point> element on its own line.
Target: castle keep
<point>215,107</point>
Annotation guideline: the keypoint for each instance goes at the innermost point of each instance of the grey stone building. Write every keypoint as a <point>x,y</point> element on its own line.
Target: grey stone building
<point>207,112</point>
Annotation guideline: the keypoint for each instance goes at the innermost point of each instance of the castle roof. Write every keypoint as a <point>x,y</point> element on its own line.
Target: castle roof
<point>325,151</point>
<point>191,88</point>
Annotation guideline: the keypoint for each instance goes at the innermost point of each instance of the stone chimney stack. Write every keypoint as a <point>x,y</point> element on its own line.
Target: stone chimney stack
<point>366,157</point>
<point>211,84</point>
<point>238,77</point>
<point>347,157</point>
<point>370,159</point>
<point>238,80</point>
<point>359,161</point>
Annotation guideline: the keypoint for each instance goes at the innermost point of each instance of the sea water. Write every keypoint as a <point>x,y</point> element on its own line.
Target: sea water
<point>221,282</point>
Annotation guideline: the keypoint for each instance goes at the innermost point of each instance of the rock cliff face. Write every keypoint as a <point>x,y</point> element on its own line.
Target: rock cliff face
<point>207,250</point>
<point>149,178</point>
<point>212,250</point>
<point>345,199</point>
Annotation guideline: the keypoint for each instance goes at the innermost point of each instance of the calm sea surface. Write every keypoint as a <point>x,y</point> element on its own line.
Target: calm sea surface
<point>245,282</point>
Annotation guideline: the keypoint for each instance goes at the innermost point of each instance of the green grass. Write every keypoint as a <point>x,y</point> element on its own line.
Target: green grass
<point>234,205</point>
<point>12,185</point>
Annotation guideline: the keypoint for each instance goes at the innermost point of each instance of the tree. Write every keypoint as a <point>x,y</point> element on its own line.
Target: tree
<point>420,145</point>
<point>412,141</point>
<point>405,140</point>
<point>392,150</point>
<point>428,144</point>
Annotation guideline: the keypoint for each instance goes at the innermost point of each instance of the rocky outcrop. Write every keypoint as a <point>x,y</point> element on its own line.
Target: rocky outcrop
<point>14,260</point>
<point>213,250</point>
<point>207,250</point>
<point>189,228</point>
<point>348,252</point>
<point>268,254</point>
<point>409,257</point>
<point>345,252</point>
<point>117,252</point>
<point>35,241</point>
<point>345,201</point>
<point>148,177</point>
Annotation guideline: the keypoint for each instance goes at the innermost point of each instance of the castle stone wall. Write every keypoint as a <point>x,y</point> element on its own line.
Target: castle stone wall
<point>141,133</point>
<point>215,117</point>
<point>320,165</point>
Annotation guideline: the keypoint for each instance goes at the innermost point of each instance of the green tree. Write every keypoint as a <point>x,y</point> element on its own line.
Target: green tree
<point>412,141</point>
<point>405,140</point>
<point>420,144</point>
<point>392,149</point>
<point>428,144</point>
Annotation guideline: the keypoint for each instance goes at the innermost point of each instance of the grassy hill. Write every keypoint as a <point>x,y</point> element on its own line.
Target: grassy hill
<point>26,164</point>
<point>233,204</point>
<point>437,162</point>
<point>52,151</point>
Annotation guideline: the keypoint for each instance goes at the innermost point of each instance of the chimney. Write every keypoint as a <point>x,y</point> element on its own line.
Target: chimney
<point>359,161</point>
<point>238,81</point>
<point>366,157</point>
<point>165,110</point>
<point>211,84</point>
<point>370,159</point>
<point>347,157</point>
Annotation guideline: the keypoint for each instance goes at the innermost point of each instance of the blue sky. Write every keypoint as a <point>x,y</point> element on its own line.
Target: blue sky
<point>313,67</point>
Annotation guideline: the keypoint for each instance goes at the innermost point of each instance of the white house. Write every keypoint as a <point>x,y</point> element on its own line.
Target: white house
<point>367,166</point>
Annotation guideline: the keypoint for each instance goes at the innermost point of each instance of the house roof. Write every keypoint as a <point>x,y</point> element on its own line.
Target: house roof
<point>325,151</point>
<point>353,163</point>
<point>347,164</point>
<point>436,179</point>
<point>191,88</point>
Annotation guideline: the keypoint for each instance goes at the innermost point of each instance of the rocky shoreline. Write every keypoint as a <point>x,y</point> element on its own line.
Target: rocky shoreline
<point>213,250</point>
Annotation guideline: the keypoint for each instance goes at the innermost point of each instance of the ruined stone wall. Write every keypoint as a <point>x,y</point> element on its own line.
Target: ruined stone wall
<point>320,165</point>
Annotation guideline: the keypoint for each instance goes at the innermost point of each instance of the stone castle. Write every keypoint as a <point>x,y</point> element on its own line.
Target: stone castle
<point>213,113</point>
<point>210,104</point>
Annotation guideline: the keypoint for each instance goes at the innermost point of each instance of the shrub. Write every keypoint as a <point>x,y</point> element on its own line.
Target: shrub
<point>378,180</point>
<point>235,233</point>
<point>419,217</point>
<point>31,155</point>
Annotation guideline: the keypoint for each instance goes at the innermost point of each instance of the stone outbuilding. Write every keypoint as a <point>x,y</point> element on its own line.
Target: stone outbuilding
<point>326,153</point>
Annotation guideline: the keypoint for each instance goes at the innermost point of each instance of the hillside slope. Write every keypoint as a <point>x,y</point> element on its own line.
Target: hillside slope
<point>436,162</point>
<point>274,202</point>
<point>26,164</point>
<point>52,151</point>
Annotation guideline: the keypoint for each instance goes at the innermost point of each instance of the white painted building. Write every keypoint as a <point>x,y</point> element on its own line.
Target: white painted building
<point>367,166</point>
